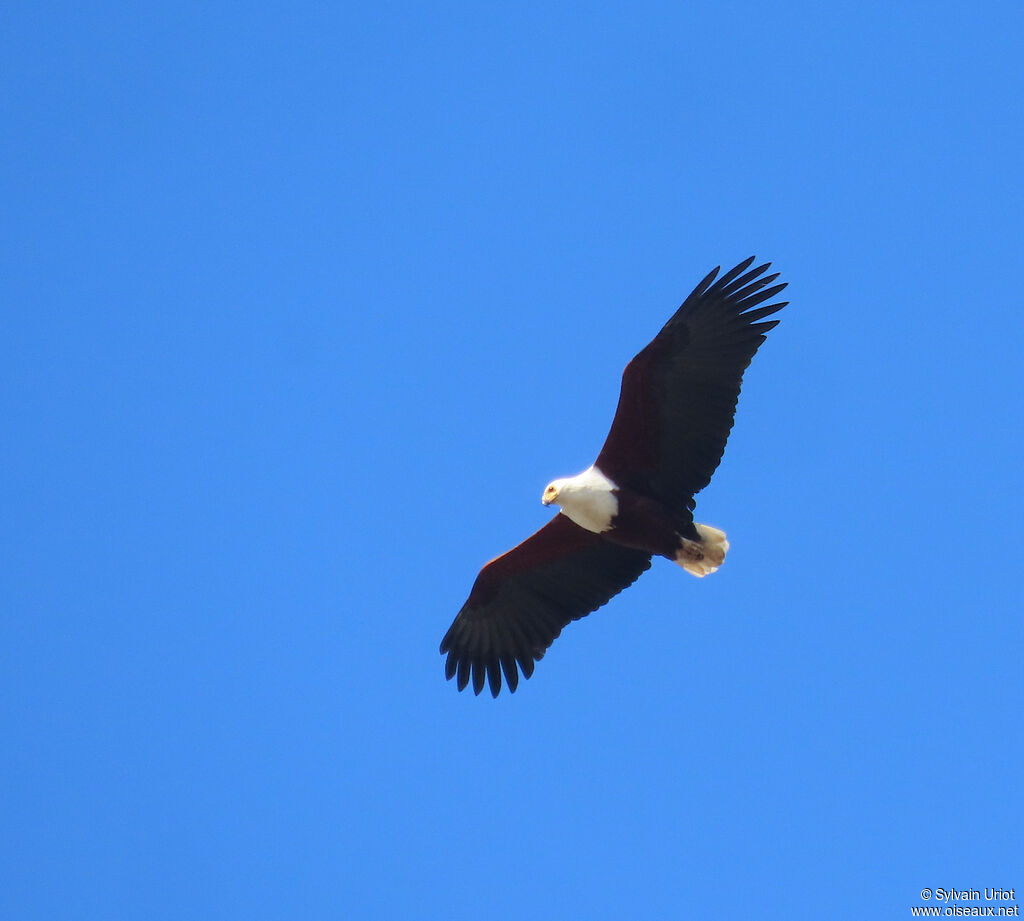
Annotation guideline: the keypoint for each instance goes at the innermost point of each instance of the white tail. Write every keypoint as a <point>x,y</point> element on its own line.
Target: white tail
<point>705,556</point>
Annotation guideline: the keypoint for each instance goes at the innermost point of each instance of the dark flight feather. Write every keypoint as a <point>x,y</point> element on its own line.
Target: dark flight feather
<point>522,600</point>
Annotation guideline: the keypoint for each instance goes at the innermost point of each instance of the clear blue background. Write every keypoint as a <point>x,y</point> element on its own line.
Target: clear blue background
<point>304,304</point>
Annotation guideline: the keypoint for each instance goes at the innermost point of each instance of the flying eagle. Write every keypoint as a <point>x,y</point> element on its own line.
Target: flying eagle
<point>675,412</point>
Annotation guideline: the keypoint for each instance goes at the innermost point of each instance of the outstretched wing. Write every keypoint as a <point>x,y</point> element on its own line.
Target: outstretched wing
<point>521,601</point>
<point>678,395</point>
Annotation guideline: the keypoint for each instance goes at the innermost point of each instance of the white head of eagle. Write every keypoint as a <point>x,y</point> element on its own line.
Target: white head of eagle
<point>636,501</point>
<point>588,499</point>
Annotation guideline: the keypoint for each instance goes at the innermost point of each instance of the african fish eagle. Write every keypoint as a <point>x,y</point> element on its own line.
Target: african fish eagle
<point>675,411</point>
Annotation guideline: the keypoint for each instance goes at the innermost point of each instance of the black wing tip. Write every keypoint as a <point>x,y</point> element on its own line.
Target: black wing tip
<point>739,290</point>
<point>468,667</point>
<point>735,285</point>
<point>480,673</point>
<point>738,268</point>
<point>704,284</point>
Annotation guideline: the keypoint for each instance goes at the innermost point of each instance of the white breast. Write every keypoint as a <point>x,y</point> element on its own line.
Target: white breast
<point>589,500</point>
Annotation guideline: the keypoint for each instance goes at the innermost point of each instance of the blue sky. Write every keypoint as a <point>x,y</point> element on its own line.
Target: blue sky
<point>304,305</point>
